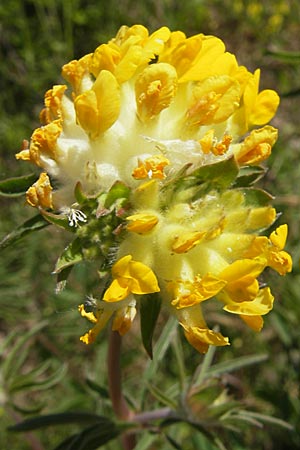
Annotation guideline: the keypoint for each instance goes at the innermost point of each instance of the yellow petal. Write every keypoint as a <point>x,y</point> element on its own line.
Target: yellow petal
<point>86,107</point>
<point>98,108</point>
<point>75,70</point>
<point>155,88</point>
<point>241,279</point>
<point>107,91</point>
<point>280,261</point>
<point>53,108</point>
<point>259,107</point>
<point>192,293</point>
<point>214,100</point>
<point>254,322</point>
<point>102,319</point>
<point>87,315</point>
<point>260,306</point>
<point>202,338</point>
<point>265,107</point>
<point>260,218</point>
<point>184,54</point>
<point>43,143</point>
<point>278,237</point>
<point>105,57</point>
<point>143,279</point>
<point>117,291</point>
<point>123,319</point>
<point>243,269</point>
<point>141,223</point>
<point>130,277</point>
<point>211,49</point>
<point>187,241</point>
<point>40,193</point>
<point>257,146</point>
<point>152,167</point>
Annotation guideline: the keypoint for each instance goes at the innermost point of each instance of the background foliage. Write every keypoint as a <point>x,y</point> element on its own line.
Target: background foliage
<point>44,367</point>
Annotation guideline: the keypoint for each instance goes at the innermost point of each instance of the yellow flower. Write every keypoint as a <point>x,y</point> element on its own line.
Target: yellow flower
<point>154,145</point>
<point>130,277</point>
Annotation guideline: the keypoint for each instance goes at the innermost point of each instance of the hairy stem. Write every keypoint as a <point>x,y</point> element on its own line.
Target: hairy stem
<point>119,403</point>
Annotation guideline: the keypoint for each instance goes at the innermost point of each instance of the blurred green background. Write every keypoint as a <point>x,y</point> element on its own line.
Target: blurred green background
<point>44,366</point>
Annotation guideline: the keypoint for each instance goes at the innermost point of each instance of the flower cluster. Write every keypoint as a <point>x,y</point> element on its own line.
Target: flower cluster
<point>155,144</point>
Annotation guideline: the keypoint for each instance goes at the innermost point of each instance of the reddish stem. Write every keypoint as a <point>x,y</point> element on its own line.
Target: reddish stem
<point>119,403</point>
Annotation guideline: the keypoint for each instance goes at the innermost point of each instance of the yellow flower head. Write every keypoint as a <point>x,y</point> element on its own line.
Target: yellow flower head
<point>155,144</point>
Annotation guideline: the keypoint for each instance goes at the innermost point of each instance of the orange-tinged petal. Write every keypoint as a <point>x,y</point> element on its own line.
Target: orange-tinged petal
<point>40,193</point>
<point>257,146</point>
<point>187,241</point>
<point>155,89</point>
<point>152,167</point>
<point>75,70</point>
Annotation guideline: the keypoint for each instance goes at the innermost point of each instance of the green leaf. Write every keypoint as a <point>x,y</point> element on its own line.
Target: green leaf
<point>249,175</point>
<point>173,443</point>
<point>257,197</point>
<point>35,423</point>
<point>285,56</point>
<point>145,441</point>
<point>209,177</point>
<point>91,438</point>
<point>119,190</point>
<point>219,175</point>
<point>235,364</point>
<point>15,187</point>
<point>202,428</point>
<point>160,349</point>
<point>34,224</point>
<point>62,277</point>
<point>149,311</point>
<point>30,381</point>
<point>79,194</point>
<point>103,391</point>
<point>10,365</point>
<point>161,396</point>
<point>71,255</point>
<point>266,419</point>
<point>58,220</point>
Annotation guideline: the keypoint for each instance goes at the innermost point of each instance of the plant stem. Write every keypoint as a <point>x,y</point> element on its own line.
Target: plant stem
<point>119,403</point>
